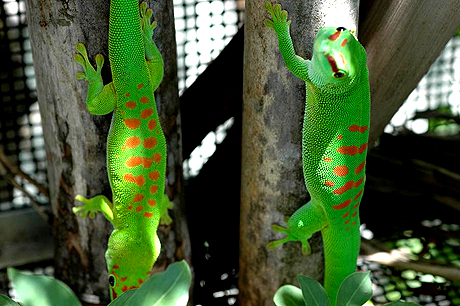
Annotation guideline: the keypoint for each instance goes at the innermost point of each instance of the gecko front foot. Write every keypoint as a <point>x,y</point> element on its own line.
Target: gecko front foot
<point>166,205</point>
<point>146,24</point>
<point>89,73</point>
<point>91,206</point>
<point>279,20</point>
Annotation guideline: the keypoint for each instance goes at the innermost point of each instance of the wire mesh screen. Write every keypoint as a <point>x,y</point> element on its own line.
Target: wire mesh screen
<point>21,137</point>
<point>435,102</point>
<point>203,29</point>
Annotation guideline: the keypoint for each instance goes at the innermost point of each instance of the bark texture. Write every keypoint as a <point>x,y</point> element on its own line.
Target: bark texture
<point>402,40</point>
<point>272,179</point>
<point>76,141</point>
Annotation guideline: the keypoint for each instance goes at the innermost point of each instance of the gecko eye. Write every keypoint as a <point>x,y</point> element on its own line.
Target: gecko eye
<point>341,29</point>
<point>338,75</point>
<point>112,280</point>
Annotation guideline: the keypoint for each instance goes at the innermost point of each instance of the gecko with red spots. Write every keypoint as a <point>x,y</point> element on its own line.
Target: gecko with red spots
<point>136,146</point>
<point>334,146</point>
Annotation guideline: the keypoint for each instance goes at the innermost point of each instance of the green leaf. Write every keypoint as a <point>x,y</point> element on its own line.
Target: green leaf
<point>355,290</point>
<point>288,295</point>
<point>123,298</point>
<point>41,290</point>
<point>313,292</point>
<point>169,288</point>
<point>402,304</point>
<point>6,301</point>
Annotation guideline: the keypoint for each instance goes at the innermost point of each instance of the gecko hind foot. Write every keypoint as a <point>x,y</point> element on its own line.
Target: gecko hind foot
<point>306,249</point>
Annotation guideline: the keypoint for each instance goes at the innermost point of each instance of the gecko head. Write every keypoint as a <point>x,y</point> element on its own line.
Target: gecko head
<point>129,263</point>
<point>338,57</point>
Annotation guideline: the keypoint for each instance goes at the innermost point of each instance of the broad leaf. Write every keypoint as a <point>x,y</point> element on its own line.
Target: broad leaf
<point>289,295</point>
<point>397,303</point>
<point>313,292</point>
<point>355,290</point>
<point>169,288</point>
<point>6,301</point>
<point>41,290</point>
<point>123,298</point>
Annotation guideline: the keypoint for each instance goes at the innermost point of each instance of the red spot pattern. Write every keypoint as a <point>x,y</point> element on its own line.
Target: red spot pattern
<point>150,143</point>
<point>157,157</point>
<point>339,137</point>
<point>152,203</point>
<point>327,159</point>
<point>138,197</point>
<point>347,186</point>
<point>140,86</point>
<point>138,180</point>
<point>357,128</point>
<point>148,214</point>
<point>359,193</point>
<point>131,104</point>
<point>144,100</point>
<point>346,215</point>
<point>329,183</point>
<point>152,124</point>
<point>341,171</point>
<point>115,267</point>
<point>132,142</point>
<point>135,161</point>
<point>342,205</point>
<point>129,207</point>
<point>352,150</point>
<point>344,42</point>
<point>123,279</point>
<point>140,281</point>
<point>132,123</point>
<point>139,208</point>
<point>356,205</point>
<point>360,167</point>
<point>153,189</point>
<point>354,214</point>
<point>342,57</point>
<point>154,175</point>
<point>127,95</point>
<point>125,288</point>
<point>146,113</point>
<point>334,36</point>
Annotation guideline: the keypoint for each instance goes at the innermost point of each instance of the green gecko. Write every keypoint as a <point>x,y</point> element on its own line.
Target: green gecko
<point>334,144</point>
<point>136,146</point>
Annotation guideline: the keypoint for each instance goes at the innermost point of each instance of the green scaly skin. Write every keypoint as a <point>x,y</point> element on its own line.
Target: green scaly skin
<point>334,148</point>
<point>136,147</point>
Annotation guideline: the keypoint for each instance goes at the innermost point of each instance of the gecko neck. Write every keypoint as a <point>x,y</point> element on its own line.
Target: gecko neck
<point>126,47</point>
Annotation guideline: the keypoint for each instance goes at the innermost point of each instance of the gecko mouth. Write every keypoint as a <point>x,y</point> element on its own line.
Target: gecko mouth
<point>114,294</point>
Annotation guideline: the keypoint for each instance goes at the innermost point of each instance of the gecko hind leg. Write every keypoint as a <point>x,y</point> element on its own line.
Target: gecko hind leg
<point>307,220</point>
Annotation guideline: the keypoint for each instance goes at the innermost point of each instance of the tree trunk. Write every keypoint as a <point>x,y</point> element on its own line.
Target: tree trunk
<point>76,140</point>
<point>272,178</point>
<point>402,40</point>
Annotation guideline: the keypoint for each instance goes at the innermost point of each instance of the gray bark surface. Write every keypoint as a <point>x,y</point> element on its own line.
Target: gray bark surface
<point>272,178</point>
<point>75,140</point>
